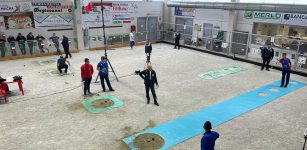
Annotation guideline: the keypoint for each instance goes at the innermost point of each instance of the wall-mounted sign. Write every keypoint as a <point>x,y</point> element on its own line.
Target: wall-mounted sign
<point>197,27</point>
<point>19,21</point>
<point>184,11</point>
<point>9,7</point>
<point>294,19</point>
<point>262,15</point>
<point>53,20</point>
<point>51,7</point>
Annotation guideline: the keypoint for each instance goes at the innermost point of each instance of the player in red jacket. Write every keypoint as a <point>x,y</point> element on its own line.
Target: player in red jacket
<point>87,71</point>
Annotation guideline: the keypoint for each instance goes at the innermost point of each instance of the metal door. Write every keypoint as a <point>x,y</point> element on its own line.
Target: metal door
<point>207,30</point>
<point>141,29</point>
<point>153,28</point>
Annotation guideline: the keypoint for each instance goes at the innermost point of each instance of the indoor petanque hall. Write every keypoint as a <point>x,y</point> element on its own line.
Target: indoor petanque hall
<point>153,75</point>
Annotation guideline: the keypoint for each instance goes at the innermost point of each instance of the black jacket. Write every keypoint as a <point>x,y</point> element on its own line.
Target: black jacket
<point>266,53</point>
<point>65,41</point>
<point>148,48</point>
<point>11,39</point>
<point>146,76</point>
<point>177,36</point>
<point>30,37</point>
<point>21,39</point>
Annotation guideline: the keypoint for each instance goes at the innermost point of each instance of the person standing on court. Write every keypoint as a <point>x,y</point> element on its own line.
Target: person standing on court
<point>267,54</point>
<point>177,40</point>
<point>87,71</point>
<point>55,41</point>
<point>103,69</point>
<point>132,40</point>
<point>148,50</point>
<point>21,43</point>
<point>209,137</point>
<point>40,40</point>
<point>62,64</point>
<point>30,40</point>
<point>65,43</point>
<point>286,69</point>
<point>150,79</point>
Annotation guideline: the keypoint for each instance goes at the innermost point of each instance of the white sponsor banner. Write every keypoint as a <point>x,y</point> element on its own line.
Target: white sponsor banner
<point>8,7</point>
<point>53,20</point>
<point>95,20</point>
<point>294,19</point>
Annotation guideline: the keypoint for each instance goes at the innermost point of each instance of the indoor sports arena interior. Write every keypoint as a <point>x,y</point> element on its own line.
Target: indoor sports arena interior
<point>153,75</point>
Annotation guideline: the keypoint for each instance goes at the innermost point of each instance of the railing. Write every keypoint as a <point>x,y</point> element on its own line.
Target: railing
<point>33,47</point>
<point>97,41</point>
<point>239,44</point>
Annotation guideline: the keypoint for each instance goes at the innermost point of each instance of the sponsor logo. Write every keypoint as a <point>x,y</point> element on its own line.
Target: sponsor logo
<point>295,17</point>
<point>261,15</point>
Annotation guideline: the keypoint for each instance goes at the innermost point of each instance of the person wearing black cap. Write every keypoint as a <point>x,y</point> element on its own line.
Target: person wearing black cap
<point>208,140</point>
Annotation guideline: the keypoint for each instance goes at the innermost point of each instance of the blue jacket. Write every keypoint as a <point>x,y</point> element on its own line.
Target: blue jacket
<point>208,140</point>
<point>103,67</point>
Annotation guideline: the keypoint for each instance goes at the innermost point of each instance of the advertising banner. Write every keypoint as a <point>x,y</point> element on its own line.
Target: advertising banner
<point>294,19</point>
<point>19,21</point>
<point>184,11</point>
<point>53,20</point>
<point>125,7</point>
<point>9,7</point>
<point>51,7</point>
<point>262,15</point>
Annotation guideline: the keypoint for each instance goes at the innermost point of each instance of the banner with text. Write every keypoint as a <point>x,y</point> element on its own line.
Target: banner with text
<point>53,20</point>
<point>9,7</point>
<point>51,7</point>
<point>19,21</point>
<point>294,19</point>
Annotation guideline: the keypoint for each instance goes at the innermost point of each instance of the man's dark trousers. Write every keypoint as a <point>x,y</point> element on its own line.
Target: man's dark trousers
<point>102,78</point>
<point>152,88</point>
<point>87,83</point>
<point>285,74</point>
<point>61,67</point>
<point>177,44</point>
<point>266,63</point>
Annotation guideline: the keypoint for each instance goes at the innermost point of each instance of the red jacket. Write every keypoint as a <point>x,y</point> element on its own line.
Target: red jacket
<point>87,71</point>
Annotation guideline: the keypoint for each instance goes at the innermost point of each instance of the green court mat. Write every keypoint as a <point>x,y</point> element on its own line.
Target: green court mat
<point>221,72</point>
<point>56,72</point>
<point>88,103</point>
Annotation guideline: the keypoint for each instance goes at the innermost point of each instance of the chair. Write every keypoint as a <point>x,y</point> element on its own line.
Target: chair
<point>3,91</point>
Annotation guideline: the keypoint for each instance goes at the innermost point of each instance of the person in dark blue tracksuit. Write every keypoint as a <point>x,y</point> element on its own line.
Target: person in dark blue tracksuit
<point>286,69</point>
<point>150,79</point>
<point>267,54</point>
<point>208,140</point>
<point>65,43</point>
<point>148,50</point>
<point>103,69</point>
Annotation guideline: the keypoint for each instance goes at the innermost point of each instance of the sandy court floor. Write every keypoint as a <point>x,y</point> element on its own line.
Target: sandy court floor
<point>59,121</point>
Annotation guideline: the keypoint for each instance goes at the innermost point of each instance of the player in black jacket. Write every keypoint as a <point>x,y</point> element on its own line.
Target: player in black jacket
<point>150,79</point>
<point>267,54</point>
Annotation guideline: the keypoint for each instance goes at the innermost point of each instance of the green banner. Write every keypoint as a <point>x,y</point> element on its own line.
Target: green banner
<point>221,72</point>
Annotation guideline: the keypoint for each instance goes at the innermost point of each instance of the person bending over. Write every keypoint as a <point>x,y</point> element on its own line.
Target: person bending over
<point>63,64</point>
